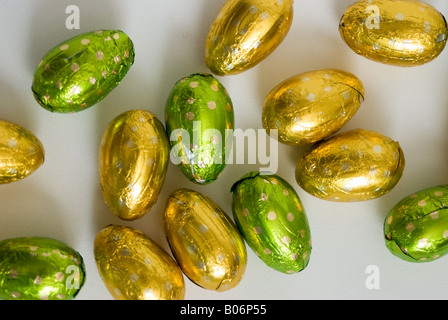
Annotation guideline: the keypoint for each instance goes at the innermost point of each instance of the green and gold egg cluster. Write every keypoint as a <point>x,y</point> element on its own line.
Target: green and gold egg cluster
<point>207,244</point>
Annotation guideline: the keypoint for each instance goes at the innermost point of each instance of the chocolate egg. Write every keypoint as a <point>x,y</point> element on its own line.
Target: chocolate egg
<point>133,162</point>
<point>271,218</point>
<point>245,32</point>
<point>356,165</point>
<point>81,71</point>
<point>199,121</point>
<point>21,153</point>
<point>135,267</point>
<point>38,268</point>
<point>311,106</point>
<point>416,229</point>
<point>204,240</point>
<point>397,32</point>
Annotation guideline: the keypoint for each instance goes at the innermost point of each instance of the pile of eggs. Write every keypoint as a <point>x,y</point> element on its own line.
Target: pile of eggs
<point>207,245</point>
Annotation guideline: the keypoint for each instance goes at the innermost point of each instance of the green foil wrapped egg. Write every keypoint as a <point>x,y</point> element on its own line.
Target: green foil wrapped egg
<point>81,71</point>
<point>21,153</point>
<point>416,229</point>
<point>271,218</point>
<point>134,267</point>
<point>403,33</point>
<point>199,121</point>
<point>204,240</point>
<point>133,162</point>
<point>37,268</point>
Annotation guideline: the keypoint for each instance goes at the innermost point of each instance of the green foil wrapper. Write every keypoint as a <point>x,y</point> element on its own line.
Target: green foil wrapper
<point>199,121</point>
<point>271,218</point>
<point>79,72</point>
<point>416,229</point>
<point>35,268</point>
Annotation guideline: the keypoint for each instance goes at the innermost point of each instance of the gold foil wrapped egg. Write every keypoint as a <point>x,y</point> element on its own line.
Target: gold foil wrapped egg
<point>21,153</point>
<point>245,32</point>
<point>311,106</point>
<point>356,165</point>
<point>397,32</point>
<point>133,161</point>
<point>204,240</point>
<point>134,267</point>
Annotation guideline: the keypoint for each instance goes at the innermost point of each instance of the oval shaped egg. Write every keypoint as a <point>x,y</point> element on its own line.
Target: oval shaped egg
<point>245,32</point>
<point>204,240</point>
<point>356,165</point>
<point>199,121</point>
<point>38,268</point>
<point>311,106</point>
<point>21,153</point>
<point>416,229</point>
<point>79,72</point>
<point>133,162</point>
<point>134,267</point>
<point>403,33</point>
<point>271,218</point>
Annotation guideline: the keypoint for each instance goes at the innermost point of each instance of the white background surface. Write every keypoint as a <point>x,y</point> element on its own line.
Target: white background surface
<point>63,199</point>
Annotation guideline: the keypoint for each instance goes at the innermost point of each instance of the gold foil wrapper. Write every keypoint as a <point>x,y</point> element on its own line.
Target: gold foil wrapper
<point>133,162</point>
<point>204,240</point>
<point>398,32</point>
<point>134,267</point>
<point>245,32</point>
<point>21,153</point>
<point>356,165</point>
<point>311,106</point>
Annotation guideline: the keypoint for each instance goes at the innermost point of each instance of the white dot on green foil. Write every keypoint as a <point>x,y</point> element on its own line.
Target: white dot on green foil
<point>74,66</point>
<point>212,105</point>
<point>272,215</point>
<point>257,230</point>
<point>290,217</point>
<point>422,203</point>
<point>99,55</point>
<point>434,215</point>
<point>286,240</point>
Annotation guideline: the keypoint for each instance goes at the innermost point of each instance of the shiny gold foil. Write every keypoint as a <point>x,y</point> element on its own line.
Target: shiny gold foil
<point>397,32</point>
<point>356,165</point>
<point>134,267</point>
<point>311,106</point>
<point>133,161</point>
<point>204,240</point>
<point>21,153</point>
<point>245,32</point>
